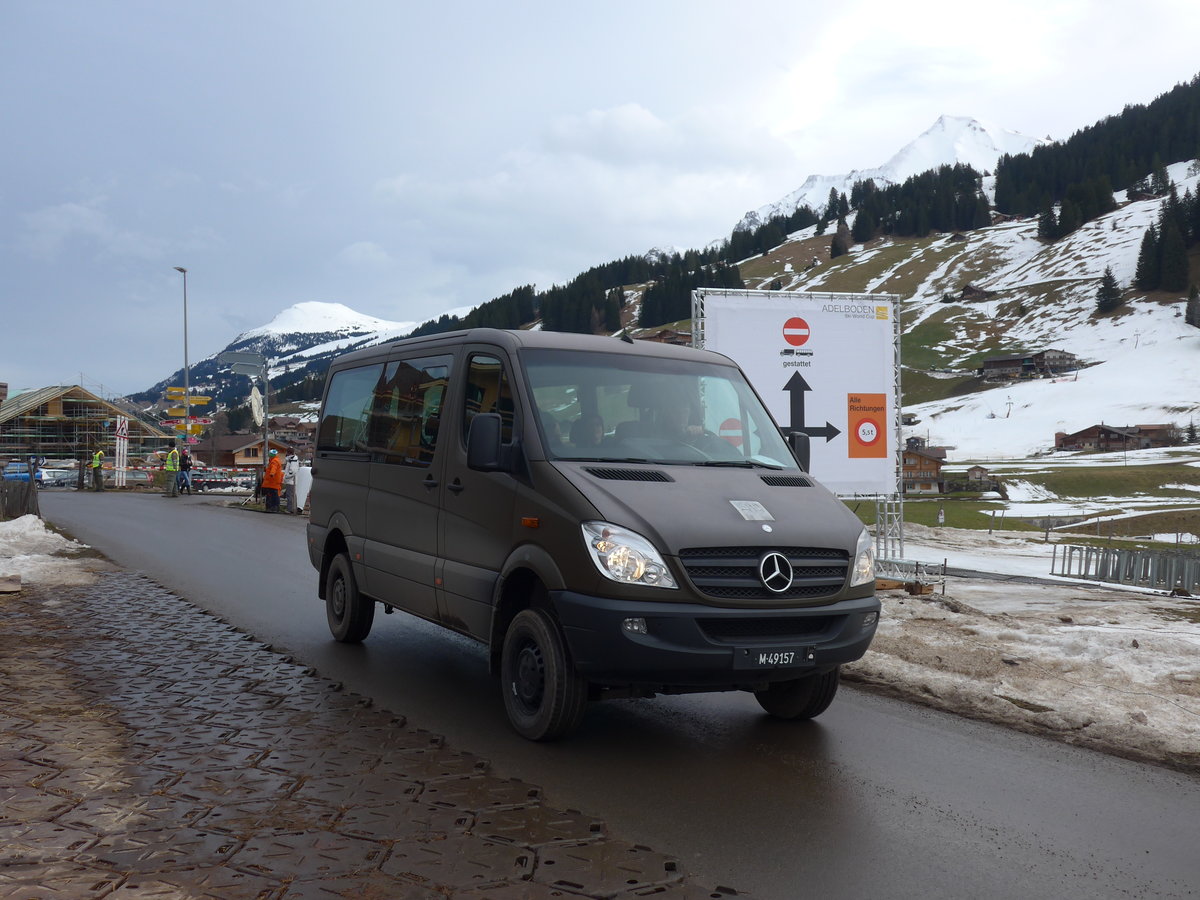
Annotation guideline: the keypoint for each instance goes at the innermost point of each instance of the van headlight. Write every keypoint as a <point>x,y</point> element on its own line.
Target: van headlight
<point>625,556</point>
<point>863,569</point>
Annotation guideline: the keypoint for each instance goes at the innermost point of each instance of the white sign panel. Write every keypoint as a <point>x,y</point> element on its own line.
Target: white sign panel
<point>824,364</point>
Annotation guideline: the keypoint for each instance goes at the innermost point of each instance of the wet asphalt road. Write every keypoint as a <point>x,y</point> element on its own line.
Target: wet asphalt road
<point>877,798</point>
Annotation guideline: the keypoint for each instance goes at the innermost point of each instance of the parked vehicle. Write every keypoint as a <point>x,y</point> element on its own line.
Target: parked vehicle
<point>19,471</point>
<point>611,518</point>
<point>58,477</point>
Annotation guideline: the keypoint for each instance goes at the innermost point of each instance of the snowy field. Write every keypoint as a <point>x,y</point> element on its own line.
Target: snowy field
<point>1115,670</point>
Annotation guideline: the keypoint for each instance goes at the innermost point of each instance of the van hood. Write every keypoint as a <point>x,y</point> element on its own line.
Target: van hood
<point>682,506</point>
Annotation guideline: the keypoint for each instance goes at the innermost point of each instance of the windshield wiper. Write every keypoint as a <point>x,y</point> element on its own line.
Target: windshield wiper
<point>738,464</point>
<point>604,459</point>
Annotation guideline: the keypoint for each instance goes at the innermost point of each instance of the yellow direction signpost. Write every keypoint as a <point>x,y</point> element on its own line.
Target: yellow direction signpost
<point>186,423</point>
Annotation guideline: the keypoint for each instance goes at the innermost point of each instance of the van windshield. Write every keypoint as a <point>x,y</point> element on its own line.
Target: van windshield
<point>613,407</point>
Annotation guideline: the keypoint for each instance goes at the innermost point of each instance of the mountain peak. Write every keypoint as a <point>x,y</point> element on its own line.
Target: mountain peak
<point>312,316</point>
<point>957,139</point>
<point>949,140</point>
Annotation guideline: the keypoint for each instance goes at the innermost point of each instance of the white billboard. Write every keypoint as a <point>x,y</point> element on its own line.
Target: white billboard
<point>825,364</point>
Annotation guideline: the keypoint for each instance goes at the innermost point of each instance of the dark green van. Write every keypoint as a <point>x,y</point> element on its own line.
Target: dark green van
<point>611,518</point>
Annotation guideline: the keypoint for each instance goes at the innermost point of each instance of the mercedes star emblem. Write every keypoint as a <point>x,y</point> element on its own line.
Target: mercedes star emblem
<point>775,572</point>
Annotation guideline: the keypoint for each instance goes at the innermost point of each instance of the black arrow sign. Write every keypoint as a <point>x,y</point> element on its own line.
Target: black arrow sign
<point>797,387</point>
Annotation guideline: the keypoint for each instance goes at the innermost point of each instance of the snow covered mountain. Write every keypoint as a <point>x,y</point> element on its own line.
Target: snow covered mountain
<point>302,337</point>
<point>950,140</point>
<point>315,330</point>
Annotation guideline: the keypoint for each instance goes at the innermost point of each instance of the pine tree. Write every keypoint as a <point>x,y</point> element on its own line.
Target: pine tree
<point>1108,297</point>
<point>1048,224</point>
<point>831,208</point>
<point>840,245</point>
<point>1174,273</point>
<point>1147,275</point>
<point>1069,219</point>
<point>1160,182</point>
<point>1192,316</point>
<point>864,227</point>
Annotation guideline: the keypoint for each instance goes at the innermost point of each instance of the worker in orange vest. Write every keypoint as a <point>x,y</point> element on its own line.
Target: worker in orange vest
<point>272,482</point>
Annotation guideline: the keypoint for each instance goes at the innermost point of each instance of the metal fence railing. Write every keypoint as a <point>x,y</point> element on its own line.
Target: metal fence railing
<point>1156,569</point>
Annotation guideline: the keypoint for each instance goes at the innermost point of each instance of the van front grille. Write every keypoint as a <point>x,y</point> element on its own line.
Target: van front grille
<point>731,573</point>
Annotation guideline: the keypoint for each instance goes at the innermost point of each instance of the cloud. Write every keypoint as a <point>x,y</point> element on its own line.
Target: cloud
<point>364,254</point>
<point>605,183</point>
<point>51,229</point>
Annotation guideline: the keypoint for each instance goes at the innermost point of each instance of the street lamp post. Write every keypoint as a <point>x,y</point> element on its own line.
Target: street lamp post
<point>187,403</point>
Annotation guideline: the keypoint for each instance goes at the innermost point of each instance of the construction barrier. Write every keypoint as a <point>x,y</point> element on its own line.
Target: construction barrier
<point>1157,569</point>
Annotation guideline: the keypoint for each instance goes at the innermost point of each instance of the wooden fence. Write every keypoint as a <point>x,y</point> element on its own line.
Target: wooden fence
<point>18,498</point>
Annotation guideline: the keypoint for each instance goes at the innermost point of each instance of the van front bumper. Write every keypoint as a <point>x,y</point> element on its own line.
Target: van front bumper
<point>690,645</point>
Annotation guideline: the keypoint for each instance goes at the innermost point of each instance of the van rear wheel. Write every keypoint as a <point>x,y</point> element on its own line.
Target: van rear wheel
<point>800,698</point>
<point>350,614</point>
<point>543,695</point>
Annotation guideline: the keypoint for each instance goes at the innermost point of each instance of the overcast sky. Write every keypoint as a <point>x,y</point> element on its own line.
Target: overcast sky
<point>409,159</point>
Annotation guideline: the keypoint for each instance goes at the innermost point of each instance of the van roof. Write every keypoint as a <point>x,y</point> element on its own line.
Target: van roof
<point>547,340</point>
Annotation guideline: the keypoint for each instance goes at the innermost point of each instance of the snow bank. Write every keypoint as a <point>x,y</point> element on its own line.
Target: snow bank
<point>34,553</point>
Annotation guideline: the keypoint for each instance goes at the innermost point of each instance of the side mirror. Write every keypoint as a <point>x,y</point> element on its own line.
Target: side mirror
<point>798,441</point>
<point>483,443</point>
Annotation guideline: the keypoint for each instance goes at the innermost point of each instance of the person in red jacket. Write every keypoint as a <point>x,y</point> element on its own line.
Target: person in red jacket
<point>272,482</point>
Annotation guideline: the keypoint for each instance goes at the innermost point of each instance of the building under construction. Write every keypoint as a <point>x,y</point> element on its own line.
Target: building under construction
<point>67,423</point>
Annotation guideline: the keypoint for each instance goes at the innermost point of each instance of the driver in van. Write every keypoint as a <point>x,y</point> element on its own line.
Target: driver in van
<point>587,431</point>
<point>673,420</point>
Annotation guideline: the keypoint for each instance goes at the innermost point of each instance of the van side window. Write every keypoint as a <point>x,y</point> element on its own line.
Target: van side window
<point>489,390</point>
<point>406,410</point>
<point>347,407</point>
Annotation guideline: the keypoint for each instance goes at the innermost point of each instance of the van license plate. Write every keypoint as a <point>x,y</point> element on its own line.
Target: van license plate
<point>773,657</point>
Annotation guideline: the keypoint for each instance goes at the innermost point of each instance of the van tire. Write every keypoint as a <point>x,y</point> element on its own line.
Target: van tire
<point>543,695</point>
<point>350,614</point>
<point>800,698</point>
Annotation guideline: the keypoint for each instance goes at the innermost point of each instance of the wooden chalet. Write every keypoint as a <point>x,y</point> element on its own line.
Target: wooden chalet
<point>921,471</point>
<point>234,450</point>
<point>1107,438</point>
<point>1030,365</point>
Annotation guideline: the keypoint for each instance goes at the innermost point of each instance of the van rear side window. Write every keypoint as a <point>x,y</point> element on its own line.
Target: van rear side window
<point>347,409</point>
<point>406,412</point>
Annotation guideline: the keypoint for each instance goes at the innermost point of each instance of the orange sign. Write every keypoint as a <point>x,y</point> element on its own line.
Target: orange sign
<point>866,415</point>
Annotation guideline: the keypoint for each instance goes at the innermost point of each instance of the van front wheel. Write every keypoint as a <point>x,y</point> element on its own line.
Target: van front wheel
<point>350,614</point>
<point>543,695</point>
<point>800,698</point>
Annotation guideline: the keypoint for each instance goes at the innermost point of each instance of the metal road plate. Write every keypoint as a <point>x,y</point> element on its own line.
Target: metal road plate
<point>56,881</point>
<point>372,886</point>
<point>248,818</point>
<point>459,862</point>
<point>405,821</point>
<point>476,792</point>
<point>161,849</point>
<point>308,854</point>
<point>429,765</point>
<point>537,826</point>
<point>606,867</point>
<point>350,790</point>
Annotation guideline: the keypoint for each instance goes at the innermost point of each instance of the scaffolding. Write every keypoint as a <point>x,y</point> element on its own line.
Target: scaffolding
<point>69,422</point>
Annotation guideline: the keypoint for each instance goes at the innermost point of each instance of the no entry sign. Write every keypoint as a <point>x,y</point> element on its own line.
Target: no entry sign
<point>795,331</point>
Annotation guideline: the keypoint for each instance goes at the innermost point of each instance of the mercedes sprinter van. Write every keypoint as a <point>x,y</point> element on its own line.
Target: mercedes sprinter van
<point>611,518</point>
